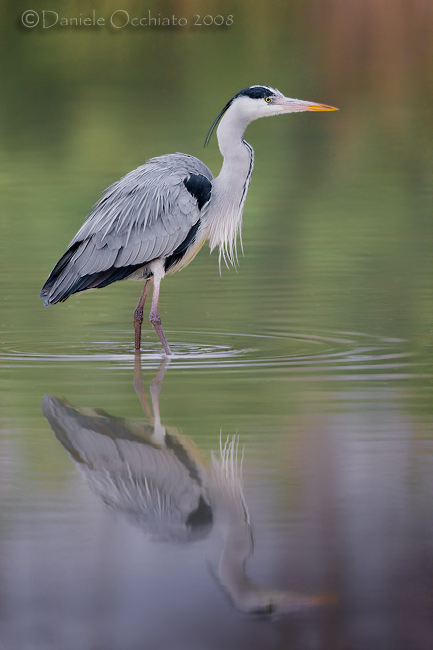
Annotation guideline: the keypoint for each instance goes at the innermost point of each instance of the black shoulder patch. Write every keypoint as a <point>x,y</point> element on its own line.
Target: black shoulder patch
<point>199,187</point>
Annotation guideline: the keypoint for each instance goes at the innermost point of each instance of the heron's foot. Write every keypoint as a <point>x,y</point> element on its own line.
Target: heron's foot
<point>155,319</point>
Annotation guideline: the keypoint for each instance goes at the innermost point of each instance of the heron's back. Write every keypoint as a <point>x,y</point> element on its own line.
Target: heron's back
<point>154,212</point>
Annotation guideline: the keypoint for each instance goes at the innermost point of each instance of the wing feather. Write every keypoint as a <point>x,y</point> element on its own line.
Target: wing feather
<point>144,216</point>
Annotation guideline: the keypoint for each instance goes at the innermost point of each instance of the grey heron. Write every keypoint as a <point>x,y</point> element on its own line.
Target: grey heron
<point>154,220</point>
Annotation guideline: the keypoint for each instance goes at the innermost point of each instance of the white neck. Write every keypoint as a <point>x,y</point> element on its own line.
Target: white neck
<point>230,187</point>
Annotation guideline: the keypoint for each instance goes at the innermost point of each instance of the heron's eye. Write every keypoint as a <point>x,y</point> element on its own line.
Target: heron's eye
<point>268,100</point>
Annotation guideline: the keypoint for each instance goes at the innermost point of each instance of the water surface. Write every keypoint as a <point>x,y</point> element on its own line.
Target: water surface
<point>271,486</point>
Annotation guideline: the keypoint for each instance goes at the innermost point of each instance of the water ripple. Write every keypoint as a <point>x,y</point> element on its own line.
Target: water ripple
<point>338,355</point>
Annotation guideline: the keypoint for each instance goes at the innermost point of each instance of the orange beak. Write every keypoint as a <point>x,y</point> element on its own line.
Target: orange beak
<point>298,105</point>
<point>320,107</point>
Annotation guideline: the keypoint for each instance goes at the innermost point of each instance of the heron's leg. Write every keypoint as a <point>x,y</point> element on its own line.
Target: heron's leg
<point>138,314</point>
<point>154,316</point>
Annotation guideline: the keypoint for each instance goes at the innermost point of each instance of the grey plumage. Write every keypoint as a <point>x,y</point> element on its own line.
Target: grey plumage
<point>155,483</point>
<point>159,481</point>
<point>145,215</point>
<point>155,219</point>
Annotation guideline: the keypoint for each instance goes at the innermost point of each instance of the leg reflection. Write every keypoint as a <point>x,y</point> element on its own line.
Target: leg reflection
<point>159,480</point>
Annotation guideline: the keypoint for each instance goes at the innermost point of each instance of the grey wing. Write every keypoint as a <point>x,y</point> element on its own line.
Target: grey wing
<point>157,485</point>
<point>144,216</point>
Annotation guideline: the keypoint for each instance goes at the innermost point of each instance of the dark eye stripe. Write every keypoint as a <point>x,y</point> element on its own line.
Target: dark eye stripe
<point>255,92</point>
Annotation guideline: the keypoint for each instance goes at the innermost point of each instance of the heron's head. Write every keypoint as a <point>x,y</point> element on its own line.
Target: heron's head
<point>263,101</point>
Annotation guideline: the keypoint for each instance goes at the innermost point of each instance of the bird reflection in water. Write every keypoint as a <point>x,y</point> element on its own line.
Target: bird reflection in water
<point>159,480</point>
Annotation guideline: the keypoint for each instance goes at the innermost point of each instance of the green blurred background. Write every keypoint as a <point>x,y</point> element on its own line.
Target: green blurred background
<point>317,350</point>
<point>340,204</point>
<point>337,226</point>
